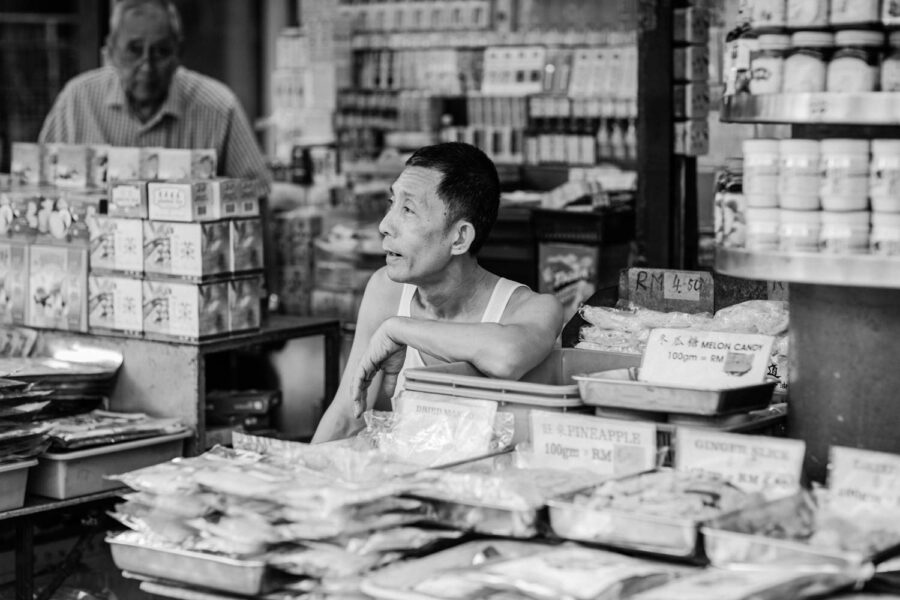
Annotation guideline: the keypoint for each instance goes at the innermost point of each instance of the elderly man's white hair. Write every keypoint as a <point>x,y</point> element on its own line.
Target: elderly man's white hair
<point>123,6</point>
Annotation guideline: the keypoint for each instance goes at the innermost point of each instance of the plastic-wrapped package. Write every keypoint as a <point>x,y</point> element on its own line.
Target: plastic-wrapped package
<point>327,560</point>
<point>637,318</point>
<point>400,539</point>
<point>769,317</point>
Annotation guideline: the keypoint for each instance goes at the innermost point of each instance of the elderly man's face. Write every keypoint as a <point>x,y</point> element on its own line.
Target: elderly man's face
<point>145,53</point>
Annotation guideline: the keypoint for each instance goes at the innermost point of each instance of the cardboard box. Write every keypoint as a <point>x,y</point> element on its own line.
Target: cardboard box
<point>57,287</point>
<point>226,195</point>
<point>174,164</point>
<point>148,165</point>
<point>204,163</point>
<point>49,158</point>
<point>73,165</point>
<point>569,272</point>
<point>246,247</point>
<point>13,282</point>
<point>124,164</point>
<point>117,245</point>
<point>185,202</point>
<point>194,251</point>
<point>128,199</point>
<point>97,175</point>
<point>244,309</point>
<point>182,310</point>
<point>249,200</point>
<point>26,167</point>
<point>116,303</point>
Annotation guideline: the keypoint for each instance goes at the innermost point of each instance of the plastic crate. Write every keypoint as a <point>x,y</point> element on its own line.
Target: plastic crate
<point>13,478</point>
<point>70,474</point>
<point>549,386</point>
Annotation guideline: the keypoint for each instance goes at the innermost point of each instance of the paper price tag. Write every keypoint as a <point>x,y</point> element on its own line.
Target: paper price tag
<point>676,286</point>
<point>753,463</point>
<point>605,446</point>
<point>872,477</point>
<point>667,290</point>
<point>705,359</point>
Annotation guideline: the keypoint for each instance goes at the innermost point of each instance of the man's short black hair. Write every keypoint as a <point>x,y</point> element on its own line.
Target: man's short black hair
<point>469,187</point>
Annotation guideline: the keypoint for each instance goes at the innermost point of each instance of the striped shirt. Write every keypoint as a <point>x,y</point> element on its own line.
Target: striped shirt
<point>199,112</point>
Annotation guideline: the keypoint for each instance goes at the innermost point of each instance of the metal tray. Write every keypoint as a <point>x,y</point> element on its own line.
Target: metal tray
<point>624,392</point>
<point>672,537</point>
<point>246,577</point>
<point>727,546</point>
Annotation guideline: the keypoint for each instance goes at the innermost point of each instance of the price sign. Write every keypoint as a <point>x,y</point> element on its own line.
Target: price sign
<point>438,405</point>
<point>705,359</point>
<point>753,463</point>
<point>667,290</point>
<point>872,477</point>
<point>605,446</point>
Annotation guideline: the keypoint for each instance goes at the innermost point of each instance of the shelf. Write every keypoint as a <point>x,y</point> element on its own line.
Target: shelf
<point>822,269</point>
<point>871,108</point>
<point>35,505</point>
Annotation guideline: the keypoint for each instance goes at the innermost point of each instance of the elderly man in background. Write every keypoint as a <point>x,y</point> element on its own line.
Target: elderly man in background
<point>145,98</point>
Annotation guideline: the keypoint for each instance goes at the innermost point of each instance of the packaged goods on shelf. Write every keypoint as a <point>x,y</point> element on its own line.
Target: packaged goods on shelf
<point>57,287</point>
<point>182,201</point>
<point>244,310</point>
<point>720,584</point>
<point>98,174</point>
<point>193,251</point>
<point>14,264</point>
<point>124,164</point>
<point>73,165</point>
<point>117,245</point>
<point>127,199</point>
<point>187,311</point>
<point>246,247</point>
<point>116,303</point>
<point>226,195</point>
<point>27,164</point>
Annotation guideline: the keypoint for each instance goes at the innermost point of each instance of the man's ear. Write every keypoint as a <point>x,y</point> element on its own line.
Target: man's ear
<point>464,236</point>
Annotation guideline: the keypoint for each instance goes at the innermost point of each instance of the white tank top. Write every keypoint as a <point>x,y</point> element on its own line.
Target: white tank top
<point>503,291</point>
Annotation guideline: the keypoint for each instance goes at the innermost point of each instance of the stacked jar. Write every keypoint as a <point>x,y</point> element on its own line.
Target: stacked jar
<point>760,187</point>
<point>798,195</point>
<point>884,192</point>
<point>845,196</point>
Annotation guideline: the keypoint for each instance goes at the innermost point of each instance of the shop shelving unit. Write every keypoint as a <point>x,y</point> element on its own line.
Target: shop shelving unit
<point>845,310</point>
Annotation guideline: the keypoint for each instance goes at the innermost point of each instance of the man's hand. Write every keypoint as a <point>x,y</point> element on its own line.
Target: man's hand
<point>383,354</point>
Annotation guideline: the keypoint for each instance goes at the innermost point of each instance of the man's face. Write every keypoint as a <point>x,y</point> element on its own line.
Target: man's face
<point>145,53</point>
<point>417,240</point>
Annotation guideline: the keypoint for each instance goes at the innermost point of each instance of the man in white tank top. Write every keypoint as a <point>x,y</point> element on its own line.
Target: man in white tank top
<point>432,302</point>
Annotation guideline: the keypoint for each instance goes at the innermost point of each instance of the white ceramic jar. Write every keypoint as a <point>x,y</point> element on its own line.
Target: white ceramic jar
<point>799,230</point>
<point>845,174</point>
<point>762,229</point>
<point>885,237</point>
<point>845,232</point>
<point>854,12</point>
<point>767,14</point>
<point>854,67</point>
<point>890,66</point>
<point>884,176</point>
<point>760,183</point>
<point>799,174</point>
<point>767,63</point>
<point>807,14</point>
<point>807,62</point>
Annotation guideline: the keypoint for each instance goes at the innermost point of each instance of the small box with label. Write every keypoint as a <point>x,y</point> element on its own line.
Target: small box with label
<point>13,282</point>
<point>249,198</point>
<point>149,163</point>
<point>174,164</point>
<point>98,173</point>
<point>185,202</point>
<point>27,164</point>
<point>73,165</point>
<point>204,163</point>
<point>225,196</point>
<point>243,303</point>
<point>246,245</point>
<point>188,311</point>
<point>128,199</point>
<point>194,251</point>
<point>57,287</point>
<point>117,245</point>
<point>124,164</point>
<point>49,159</point>
<point>691,63</point>
<point>116,304</point>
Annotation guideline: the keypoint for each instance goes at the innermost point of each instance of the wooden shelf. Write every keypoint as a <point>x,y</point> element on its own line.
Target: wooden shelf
<point>823,269</point>
<point>869,108</point>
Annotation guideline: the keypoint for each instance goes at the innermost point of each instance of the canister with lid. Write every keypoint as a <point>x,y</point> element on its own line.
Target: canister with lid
<point>845,174</point>
<point>760,183</point>
<point>845,232</point>
<point>807,13</point>
<point>807,61</point>
<point>854,67</point>
<point>767,14</point>
<point>884,176</point>
<point>762,228</point>
<point>799,175</point>
<point>890,66</point>
<point>885,238</point>
<point>890,13</point>
<point>798,230</point>
<point>854,12</point>
<point>767,63</point>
